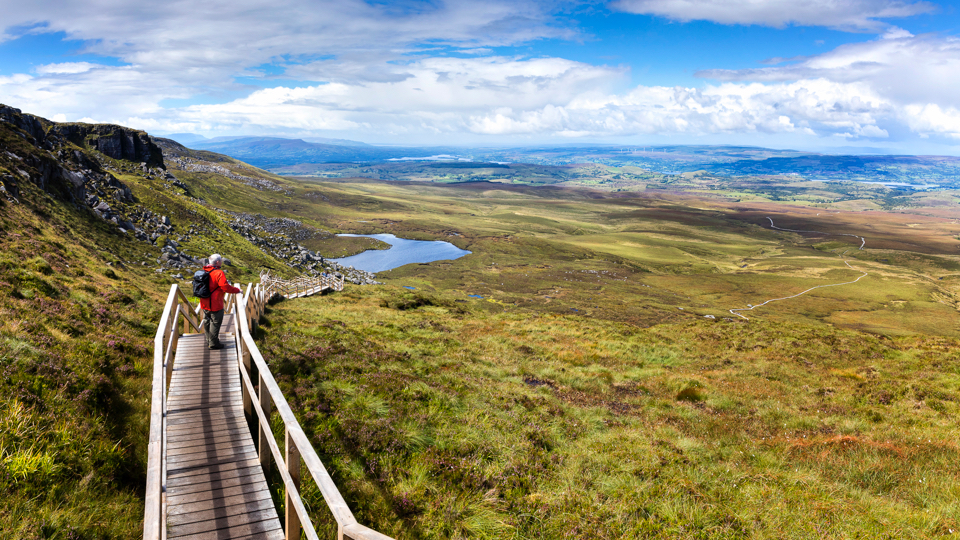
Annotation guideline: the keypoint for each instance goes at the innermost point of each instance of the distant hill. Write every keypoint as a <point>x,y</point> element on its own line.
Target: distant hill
<point>186,138</point>
<point>274,152</point>
<point>286,156</point>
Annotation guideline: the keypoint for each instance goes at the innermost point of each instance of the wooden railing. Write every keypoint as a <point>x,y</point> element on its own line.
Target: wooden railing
<point>176,308</point>
<point>301,286</point>
<point>258,401</point>
<point>296,444</point>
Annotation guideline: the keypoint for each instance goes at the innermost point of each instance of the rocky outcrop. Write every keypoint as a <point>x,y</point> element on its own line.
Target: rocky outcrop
<point>117,142</point>
<point>74,176</point>
<point>25,122</point>
<point>260,184</point>
<point>351,274</point>
<point>114,141</point>
<point>280,236</point>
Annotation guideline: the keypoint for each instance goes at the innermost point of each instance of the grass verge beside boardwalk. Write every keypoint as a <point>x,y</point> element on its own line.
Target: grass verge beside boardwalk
<point>442,420</point>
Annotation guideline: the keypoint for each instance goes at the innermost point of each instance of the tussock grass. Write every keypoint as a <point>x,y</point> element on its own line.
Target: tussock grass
<point>443,422</point>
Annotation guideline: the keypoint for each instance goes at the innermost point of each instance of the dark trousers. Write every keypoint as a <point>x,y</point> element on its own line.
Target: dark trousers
<point>211,326</point>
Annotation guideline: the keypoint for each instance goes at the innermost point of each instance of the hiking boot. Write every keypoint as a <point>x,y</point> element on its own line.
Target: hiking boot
<point>218,346</point>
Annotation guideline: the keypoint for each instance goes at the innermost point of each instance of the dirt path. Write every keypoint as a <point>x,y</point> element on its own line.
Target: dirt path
<point>863,242</point>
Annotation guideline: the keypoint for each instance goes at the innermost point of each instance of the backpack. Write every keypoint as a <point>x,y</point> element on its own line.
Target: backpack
<point>201,284</point>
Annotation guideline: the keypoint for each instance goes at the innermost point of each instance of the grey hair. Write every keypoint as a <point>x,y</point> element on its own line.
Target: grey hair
<point>216,259</point>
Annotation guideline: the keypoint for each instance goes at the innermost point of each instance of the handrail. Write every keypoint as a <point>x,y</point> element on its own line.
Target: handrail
<point>302,285</point>
<point>164,347</point>
<point>248,310</point>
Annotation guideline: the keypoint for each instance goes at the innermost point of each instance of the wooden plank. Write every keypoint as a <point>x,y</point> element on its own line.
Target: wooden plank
<point>179,456</point>
<point>229,495</point>
<point>205,511</point>
<point>218,469</point>
<point>215,377</point>
<point>227,527</point>
<point>206,467</point>
<point>199,407</point>
<point>228,438</point>
<point>252,494</point>
<point>174,464</point>
<point>223,430</point>
<point>225,398</point>
<point>197,352</point>
<point>200,369</point>
<point>203,483</point>
<point>217,474</point>
<point>206,448</point>
<point>188,423</point>
<point>189,387</point>
<point>240,531</point>
<point>206,425</point>
<point>204,389</point>
<point>271,535</point>
<point>198,383</point>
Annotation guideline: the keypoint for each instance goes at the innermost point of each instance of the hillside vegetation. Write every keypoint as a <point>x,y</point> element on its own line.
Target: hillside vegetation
<point>96,223</point>
<point>579,374</point>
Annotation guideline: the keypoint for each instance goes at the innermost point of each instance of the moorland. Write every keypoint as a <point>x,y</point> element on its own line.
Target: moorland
<point>579,374</point>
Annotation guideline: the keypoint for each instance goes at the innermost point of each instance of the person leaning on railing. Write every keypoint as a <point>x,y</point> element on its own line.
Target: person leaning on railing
<point>213,306</point>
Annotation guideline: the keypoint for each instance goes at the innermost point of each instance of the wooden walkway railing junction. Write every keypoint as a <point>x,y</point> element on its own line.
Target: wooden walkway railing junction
<point>258,398</point>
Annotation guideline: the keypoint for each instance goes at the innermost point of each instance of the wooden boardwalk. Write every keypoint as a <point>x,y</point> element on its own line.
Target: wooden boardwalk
<point>215,485</point>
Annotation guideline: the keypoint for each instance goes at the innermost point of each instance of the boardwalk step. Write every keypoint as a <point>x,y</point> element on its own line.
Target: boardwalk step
<point>215,486</point>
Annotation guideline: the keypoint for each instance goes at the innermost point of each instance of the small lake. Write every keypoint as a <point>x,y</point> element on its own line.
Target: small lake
<point>401,252</point>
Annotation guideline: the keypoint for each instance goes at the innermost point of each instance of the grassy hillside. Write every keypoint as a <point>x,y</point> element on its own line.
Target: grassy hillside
<point>599,385</point>
<point>579,374</point>
<point>80,298</point>
<point>443,419</point>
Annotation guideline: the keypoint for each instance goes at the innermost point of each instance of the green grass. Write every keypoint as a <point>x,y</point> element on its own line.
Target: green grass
<point>449,420</point>
<point>586,393</point>
<point>74,364</point>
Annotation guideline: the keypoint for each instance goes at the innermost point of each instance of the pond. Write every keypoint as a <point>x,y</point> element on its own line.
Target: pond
<point>401,252</point>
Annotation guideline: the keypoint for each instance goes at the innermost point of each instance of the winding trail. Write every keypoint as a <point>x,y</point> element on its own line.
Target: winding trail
<point>863,242</point>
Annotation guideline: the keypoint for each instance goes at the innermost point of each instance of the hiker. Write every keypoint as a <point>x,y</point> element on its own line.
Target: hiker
<point>217,286</point>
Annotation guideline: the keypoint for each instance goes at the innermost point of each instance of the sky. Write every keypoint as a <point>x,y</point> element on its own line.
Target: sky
<point>818,75</point>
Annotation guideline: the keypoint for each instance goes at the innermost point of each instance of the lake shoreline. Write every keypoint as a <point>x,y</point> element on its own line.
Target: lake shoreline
<point>402,251</point>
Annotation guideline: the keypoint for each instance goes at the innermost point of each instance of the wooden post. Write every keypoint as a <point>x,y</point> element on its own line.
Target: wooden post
<point>292,520</point>
<point>176,340</point>
<point>263,447</point>
<point>245,367</point>
<point>167,330</point>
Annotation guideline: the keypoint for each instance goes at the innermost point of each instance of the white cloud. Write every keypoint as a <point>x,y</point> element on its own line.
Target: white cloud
<point>446,98</point>
<point>842,14</point>
<point>902,67</point>
<point>931,119</point>
<point>377,72</point>
<point>818,107</point>
<point>65,68</point>
<point>516,98</point>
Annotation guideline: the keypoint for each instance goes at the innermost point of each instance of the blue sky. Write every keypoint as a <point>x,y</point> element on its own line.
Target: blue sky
<point>806,74</point>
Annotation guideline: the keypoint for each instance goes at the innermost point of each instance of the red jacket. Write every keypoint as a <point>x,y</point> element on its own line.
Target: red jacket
<point>219,286</point>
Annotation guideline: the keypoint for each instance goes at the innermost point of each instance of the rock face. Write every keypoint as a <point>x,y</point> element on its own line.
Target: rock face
<point>72,175</point>
<point>27,122</point>
<point>117,142</point>
<point>114,141</point>
<point>86,179</point>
